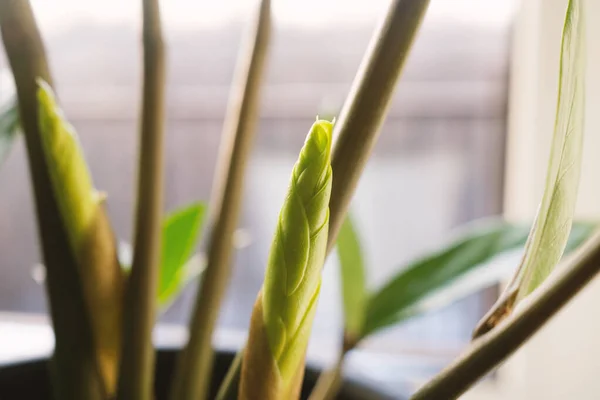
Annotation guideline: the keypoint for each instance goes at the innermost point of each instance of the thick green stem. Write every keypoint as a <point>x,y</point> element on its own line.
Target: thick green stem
<point>193,373</point>
<point>137,364</point>
<point>74,368</point>
<point>488,351</point>
<point>357,128</point>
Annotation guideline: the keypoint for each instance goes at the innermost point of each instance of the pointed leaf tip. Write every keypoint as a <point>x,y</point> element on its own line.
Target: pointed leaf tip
<point>297,254</point>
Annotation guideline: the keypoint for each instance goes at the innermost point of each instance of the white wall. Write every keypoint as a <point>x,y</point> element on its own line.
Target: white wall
<point>563,360</point>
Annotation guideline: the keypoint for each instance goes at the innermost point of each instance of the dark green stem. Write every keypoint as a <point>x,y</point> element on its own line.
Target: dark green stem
<point>74,369</point>
<point>193,373</point>
<point>357,128</point>
<point>137,364</point>
<point>488,351</point>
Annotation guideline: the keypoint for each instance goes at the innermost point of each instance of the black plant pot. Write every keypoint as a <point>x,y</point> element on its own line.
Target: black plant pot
<point>30,380</point>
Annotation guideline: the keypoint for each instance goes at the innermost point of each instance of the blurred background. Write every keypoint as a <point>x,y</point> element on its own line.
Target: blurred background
<point>440,161</point>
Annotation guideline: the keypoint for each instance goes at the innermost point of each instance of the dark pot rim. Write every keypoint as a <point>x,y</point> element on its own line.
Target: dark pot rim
<point>30,379</point>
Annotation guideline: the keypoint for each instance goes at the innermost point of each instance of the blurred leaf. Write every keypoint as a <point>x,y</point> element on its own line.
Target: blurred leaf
<point>180,232</point>
<point>177,268</point>
<point>551,230</point>
<point>478,244</point>
<point>486,274</point>
<point>191,269</point>
<point>88,231</point>
<point>580,232</point>
<point>353,278</point>
<point>79,202</point>
<point>9,127</point>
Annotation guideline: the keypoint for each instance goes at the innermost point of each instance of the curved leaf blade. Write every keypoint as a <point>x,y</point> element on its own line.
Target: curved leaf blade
<point>480,277</point>
<point>477,244</point>
<point>352,274</point>
<point>475,274</point>
<point>551,230</point>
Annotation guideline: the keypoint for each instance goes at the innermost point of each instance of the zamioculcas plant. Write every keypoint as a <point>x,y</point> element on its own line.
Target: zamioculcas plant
<point>103,305</point>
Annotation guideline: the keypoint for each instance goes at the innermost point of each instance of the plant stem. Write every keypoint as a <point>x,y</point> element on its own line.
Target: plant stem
<point>193,373</point>
<point>229,386</point>
<point>327,385</point>
<point>329,381</point>
<point>74,369</point>
<point>359,123</point>
<point>137,364</point>
<point>357,128</point>
<point>489,350</point>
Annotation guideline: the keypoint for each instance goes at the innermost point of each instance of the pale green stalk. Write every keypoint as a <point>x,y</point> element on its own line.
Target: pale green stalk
<point>194,367</point>
<point>358,126</point>
<point>365,108</point>
<point>137,363</point>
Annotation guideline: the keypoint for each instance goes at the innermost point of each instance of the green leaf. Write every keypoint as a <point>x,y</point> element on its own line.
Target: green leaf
<point>180,234</point>
<point>550,232</point>
<point>178,267</point>
<point>484,275</point>
<point>479,243</point>
<point>78,200</point>
<point>468,264</point>
<point>353,279</point>
<point>87,230</point>
<point>9,127</point>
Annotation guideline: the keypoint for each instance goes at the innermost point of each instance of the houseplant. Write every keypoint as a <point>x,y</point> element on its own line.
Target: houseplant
<point>103,311</point>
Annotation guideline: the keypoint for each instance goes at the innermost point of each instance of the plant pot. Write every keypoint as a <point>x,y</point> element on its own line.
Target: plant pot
<point>30,380</point>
